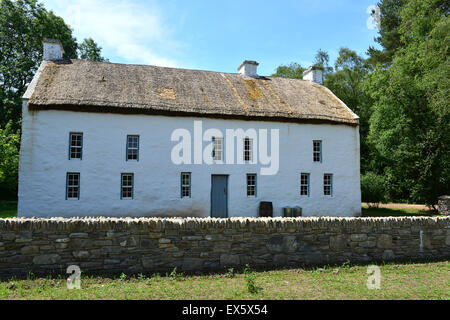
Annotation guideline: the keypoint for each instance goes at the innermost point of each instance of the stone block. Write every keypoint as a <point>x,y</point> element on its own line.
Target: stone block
<point>46,259</point>
<point>81,254</point>
<point>384,241</point>
<point>229,259</point>
<point>368,244</point>
<point>358,237</point>
<point>388,255</point>
<point>29,250</point>
<point>338,243</point>
<point>78,235</point>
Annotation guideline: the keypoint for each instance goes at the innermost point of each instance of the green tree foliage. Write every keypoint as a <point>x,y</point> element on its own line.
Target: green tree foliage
<point>23,25</point>
<point>9,161</point>
<point>389,35</point>
<point>89,50</point>
<point>373,189</point>
<point>292,71</point>
<point>410,125</point>
<point>322,59</point>
<point>347,83</point>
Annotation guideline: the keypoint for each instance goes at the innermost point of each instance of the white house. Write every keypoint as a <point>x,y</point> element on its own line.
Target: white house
<point>104,139</point>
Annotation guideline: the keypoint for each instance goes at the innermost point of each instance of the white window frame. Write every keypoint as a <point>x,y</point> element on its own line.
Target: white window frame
<point>122,186</point>
<point>186,186</point>
<point>303,184</point>
<point>317,152</point>
<point>328,184</point>
<point>254,185</point>
<point>78,148</point>
<point>248,149</point>
<point>134,136</point>
<point>68,185</point>
<point>217,151</point>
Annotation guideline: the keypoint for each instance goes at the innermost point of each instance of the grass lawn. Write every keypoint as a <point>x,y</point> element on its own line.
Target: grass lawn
<point>396,212</point>
<point>398,281</point>
<point>8,209</point>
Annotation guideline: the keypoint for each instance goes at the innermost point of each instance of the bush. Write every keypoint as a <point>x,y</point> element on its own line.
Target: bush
<point>9,162</point>
<point>373,190</point>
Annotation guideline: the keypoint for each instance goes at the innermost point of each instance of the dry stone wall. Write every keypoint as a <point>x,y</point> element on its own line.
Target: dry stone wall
<point>444,205</point>
<point>149,245</point>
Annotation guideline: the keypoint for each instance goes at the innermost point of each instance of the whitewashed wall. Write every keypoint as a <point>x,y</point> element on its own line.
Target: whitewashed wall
<point>44,163</point>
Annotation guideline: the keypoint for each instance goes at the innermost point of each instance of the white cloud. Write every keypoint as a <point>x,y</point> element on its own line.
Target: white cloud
<point>134,32</point>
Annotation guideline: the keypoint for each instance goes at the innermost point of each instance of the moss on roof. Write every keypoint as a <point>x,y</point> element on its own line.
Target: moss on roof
<point>101,86</point>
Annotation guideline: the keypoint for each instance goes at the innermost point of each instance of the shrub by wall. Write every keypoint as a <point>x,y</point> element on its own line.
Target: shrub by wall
<point>149,245</point>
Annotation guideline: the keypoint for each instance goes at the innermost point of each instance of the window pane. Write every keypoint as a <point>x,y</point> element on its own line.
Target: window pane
<point>247,149</point>
<point>185,184</point>
<point>251,184</point>
<point>217,148</point>
<point>76,143</point>
<point>127,186</point>
<point>73,186</point>
<point>317,151</point>
<point>132,147</point>
<point>327,184</point>
<point>304,184</point>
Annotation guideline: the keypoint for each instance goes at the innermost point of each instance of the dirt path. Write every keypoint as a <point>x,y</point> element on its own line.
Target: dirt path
<point>401,206</point>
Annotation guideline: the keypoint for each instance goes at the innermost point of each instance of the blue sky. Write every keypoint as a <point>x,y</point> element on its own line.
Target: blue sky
<point>219,35</point>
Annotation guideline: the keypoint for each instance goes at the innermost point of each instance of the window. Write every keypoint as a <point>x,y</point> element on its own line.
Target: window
<point>217,148</point>
<point>317,151</point>
<point>251,185</point>
<point>127,186</point>
<point>132,147</point>
<point>304,184</point>
<point>185,184</point>
<point>248,149</point>
<point>328,184</point>
<point>76,145</point>
<point>73,186</point>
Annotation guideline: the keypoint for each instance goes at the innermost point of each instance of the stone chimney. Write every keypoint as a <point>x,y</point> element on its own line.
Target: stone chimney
<point>53,50</point>
<point>314,74</point>
<point>248,68</point>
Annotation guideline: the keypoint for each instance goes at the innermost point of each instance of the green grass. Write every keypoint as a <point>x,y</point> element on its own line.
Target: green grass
<point>398,281</point>
<point>396,212</point>
<point>8,209</point>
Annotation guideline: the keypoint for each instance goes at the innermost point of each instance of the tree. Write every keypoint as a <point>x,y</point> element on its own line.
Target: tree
<point>410,125</point>
<point>389,35</point>
<point>23,25</point>
<point>89,50</point>
<point>292,71</point>
<point>347,83</point>
<point>373,189</point>
<point>322,59</point>
<point>9,161</point>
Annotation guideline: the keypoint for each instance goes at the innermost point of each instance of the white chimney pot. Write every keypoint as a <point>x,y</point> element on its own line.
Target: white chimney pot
<point>249,68</point>
<point>53,50</point>
<point>314,74</point>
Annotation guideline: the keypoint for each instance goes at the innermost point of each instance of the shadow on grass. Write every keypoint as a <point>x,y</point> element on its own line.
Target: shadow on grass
<point>387,212</point>
<point>8,209</point>
<point>225,272</point>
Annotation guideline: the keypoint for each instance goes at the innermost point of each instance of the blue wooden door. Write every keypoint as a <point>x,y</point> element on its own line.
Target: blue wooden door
<point>219,196</point>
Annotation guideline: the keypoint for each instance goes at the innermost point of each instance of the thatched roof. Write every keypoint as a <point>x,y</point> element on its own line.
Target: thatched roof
<point>108,87</point>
